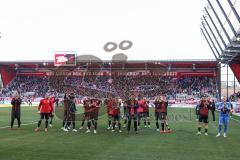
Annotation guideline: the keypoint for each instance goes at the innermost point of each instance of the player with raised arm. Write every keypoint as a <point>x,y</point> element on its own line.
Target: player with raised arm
<point>146,117</point>
<point>204,108</point>
<point>93,118</point>
<point>163,115</point>
<point>109,105</point>
<point>86,108</point>
<point>116,114</point>
<point>132,105</point>
<point>157,104</point>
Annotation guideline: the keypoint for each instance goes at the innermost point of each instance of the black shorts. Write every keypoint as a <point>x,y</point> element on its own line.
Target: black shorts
<point>160,116</point>
<point>16,115</point>
<point>95,115</point>
<point>65,113</point>
<point>109,116</point>
<point>140,115</point>
<point>116,117</point>
<point>163,116</point>
<point>130,117</point>
<point>84,116</point>
<point>87,115</point>
<point>145,114</point>
<point>44,115</point>
<point>203,119</point>
<point>72,117</point>
<point>91,116</point>
<point>51,114</point>
<point>124,111</point>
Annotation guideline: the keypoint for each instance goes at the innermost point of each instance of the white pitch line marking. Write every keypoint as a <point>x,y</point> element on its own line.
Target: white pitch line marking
<point>21,125</point>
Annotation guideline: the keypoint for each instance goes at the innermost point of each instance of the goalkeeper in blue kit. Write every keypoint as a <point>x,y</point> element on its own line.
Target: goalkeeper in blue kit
<point>225,108</point>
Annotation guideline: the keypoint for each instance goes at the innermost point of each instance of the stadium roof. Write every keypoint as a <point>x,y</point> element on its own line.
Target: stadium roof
<point>142,61</point>
<point>193,65</point>
<point>224,41</point>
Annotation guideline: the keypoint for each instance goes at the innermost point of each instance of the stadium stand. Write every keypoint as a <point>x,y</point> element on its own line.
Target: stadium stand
<point>178,79</point>
<point>148,86</point>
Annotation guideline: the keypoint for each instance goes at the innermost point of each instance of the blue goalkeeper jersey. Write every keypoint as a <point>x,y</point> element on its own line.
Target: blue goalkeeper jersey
<point>224,108</point>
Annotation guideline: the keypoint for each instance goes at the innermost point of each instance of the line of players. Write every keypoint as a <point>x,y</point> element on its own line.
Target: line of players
<point>135,110</point>
<point>91,112</point>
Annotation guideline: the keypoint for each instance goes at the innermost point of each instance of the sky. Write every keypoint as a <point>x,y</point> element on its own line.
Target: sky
<point>159,29</point>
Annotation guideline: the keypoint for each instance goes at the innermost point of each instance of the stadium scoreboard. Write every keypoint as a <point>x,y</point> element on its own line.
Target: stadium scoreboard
<point>64,58</point>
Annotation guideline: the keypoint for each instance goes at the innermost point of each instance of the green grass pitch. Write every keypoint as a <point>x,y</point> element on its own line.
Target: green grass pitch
<point>183,144</point>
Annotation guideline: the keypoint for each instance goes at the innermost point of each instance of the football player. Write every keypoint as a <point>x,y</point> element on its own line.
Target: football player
<point>95,106</point>
<point>45,108</point>
<point>16,110</point>
<point>116,114</point>
<point>131,110</point>
<point>146,117</point>
<point>225,108</point>
<point>161,105</point>
<point>204,108</point>
<point>72,112</point>
<point>87,108</point>
<point>109,105</point>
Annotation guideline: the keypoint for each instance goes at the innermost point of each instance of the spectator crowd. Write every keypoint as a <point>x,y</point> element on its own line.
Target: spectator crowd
<point>118,86</point>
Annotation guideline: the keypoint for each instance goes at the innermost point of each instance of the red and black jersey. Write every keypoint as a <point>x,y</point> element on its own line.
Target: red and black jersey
<point>45,106</point>
<point>95,104</point>
<point>161,106</point>
<point>52,99</point>
<point>65,104</point>
<point>115,108</point>
<point>164,105</point>
<point>157,106</point>
<point>109,104</point>
<point>115,111</point>
<point>16,102</point>
<point>145,106</point>
<point>141,104</point>
<point>132,106</point>
<point>204,109</point>
<point>86,106</point>
<point>124,107</point>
